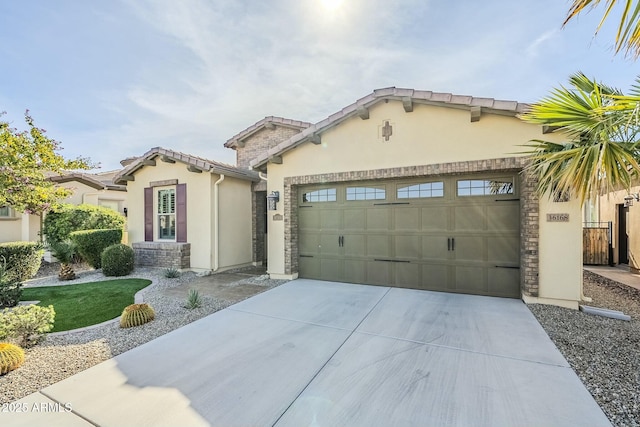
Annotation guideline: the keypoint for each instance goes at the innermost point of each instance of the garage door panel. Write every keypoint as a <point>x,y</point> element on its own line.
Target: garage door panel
<point>435,218</point>
<point>504,217</point>
<point>354,219</point>
<point>379,273</point>
<point>435,248</point>
<point>310,267</point>
<point>469,248</point>
<point>355,271</point>
<point>407,219</point>
<point>408,247</point>
<point>504,282</point>
<point>331,220</point>
<point>504,249</point>
<point>309,243</point>
<point>378,246</point>
<point>469,218</point>
<point>471,279</point>
<point>309,218</point>
<point>329,245</point>
<point>408,275</point>
<point>435,276</point>
<point>331,269</point>
<point>354,244</point>
<point>378,219</point>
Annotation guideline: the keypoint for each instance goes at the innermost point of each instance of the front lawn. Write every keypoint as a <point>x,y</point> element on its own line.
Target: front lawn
<point>86,304</point>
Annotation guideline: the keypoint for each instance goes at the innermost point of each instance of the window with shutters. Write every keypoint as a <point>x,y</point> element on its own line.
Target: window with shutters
<point>166,212</point>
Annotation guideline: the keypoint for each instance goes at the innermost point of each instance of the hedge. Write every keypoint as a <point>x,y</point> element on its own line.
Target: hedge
<point>91,243</point>
<point>22,259</point>
<point>63,220</point>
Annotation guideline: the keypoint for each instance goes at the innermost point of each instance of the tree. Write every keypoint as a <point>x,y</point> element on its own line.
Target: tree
<point>601,152</point>
<point>628,34</point>
<point>28,159</point>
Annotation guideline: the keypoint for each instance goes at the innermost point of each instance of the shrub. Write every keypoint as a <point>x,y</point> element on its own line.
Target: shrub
<point>117,260</point>
<point>63,220</point>
<point>25,324</point>
<point>91,243</point>
<point>193,300</point>
<point>23,259</point>
<point>11,357</point>
<point>65,253</point>
<point>171,273</point>
<point>10,287</point>
<point>136,315</point>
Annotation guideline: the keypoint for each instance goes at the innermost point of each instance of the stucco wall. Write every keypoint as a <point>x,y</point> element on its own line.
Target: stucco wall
<point>429,135</point>
<point>235,223</point>
<point>608,211</point>
<point>83,193</point>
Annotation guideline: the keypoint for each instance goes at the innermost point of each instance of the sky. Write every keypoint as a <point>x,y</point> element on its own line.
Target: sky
<point>111,79</point>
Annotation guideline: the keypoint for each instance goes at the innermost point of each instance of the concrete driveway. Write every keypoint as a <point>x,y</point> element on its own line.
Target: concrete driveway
<point>312,353</point>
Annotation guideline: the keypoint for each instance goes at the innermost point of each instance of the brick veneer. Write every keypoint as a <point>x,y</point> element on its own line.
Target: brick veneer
<point>258,144</point>
<point>162,254</point>
<point>529,205</point>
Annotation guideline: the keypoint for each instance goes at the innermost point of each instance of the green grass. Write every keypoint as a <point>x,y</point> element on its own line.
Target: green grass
<point>86,304</point>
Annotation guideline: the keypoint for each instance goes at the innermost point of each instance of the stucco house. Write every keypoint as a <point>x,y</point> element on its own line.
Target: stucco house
<point>423,190</point>
<point>90,188</point>
<point>621,209</point>
<point>401,188</point>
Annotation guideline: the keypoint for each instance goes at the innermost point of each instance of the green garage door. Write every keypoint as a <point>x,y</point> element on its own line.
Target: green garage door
<point>454,234</point>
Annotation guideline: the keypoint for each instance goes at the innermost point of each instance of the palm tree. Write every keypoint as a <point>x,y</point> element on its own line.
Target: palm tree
<point>601,153</point>
<point>64,252</point>
<point>628,35</point>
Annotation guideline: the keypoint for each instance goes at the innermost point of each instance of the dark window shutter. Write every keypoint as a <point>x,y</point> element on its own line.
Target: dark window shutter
<point>148,214</point>
<point>181,213</point>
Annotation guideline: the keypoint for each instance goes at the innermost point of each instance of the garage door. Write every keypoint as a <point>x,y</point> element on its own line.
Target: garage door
<point>454,234</point>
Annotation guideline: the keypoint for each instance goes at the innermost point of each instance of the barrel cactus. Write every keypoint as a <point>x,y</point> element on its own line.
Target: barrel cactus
<point>136,315</point>
<point>11,357</point>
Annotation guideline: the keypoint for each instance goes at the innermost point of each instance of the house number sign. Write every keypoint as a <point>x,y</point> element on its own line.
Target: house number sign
<point>558,217</point>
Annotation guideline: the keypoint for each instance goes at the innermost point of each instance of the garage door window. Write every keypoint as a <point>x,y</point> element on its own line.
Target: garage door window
<point>420,191</point>
<point>323,195</point>
<point>480,187</point>
<point>366,193</point>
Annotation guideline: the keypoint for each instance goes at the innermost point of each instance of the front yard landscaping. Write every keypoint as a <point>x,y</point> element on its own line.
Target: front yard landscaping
<point>86,304</point>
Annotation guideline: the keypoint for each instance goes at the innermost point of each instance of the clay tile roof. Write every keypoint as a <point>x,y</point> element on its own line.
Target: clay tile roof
<point>92,180</point>
<point>418,96</point>
<point>280,121</point>
<point>200,163</point>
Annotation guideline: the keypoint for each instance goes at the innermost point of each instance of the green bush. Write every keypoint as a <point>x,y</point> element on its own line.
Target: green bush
<point>91,243</point>
<point>63,220</point>
<point>117,260</point>
<point>23,259</point>
<point>25,324</point>
<point>10,287</point>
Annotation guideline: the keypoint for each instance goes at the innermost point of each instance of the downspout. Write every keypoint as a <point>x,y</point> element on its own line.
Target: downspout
<point>216,210</point>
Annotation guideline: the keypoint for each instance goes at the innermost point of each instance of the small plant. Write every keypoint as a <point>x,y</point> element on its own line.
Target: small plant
<point>11,357</point>
<point>117,260</point>
<point>26,324</point>
<point>171,273</point>
<point>136,315</point>
<point>193,300</point>
<point>10,286</point>
<point>65,252</point>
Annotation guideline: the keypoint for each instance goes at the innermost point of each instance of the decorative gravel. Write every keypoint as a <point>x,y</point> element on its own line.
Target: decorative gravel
<point>604,352</point>
<point>67,353</point>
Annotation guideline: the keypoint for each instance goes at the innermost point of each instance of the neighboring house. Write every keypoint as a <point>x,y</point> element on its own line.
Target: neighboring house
<point>188,212</point>
<point>423,190</point>
<point>95,189</point>
<point>622,209</point>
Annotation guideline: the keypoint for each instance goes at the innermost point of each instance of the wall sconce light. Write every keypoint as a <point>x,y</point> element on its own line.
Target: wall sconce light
<point>628,200</point>
<point>272,200</point>
<point>126,211</point>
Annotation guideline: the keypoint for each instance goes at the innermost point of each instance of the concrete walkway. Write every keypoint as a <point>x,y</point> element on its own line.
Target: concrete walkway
<point>620,274</point>
<point>312,353</point>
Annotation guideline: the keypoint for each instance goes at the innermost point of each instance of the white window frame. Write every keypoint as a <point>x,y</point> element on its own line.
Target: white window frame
<point>161,213</point>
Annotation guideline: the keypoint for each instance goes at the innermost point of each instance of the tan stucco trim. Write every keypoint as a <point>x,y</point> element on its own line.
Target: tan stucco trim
<point>574,305</point>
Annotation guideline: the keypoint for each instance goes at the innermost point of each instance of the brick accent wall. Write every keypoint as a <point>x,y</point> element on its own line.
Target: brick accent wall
<point>162,254</point>
<point>529,206</point>
<point>261,141</point>
<point>259,226</point>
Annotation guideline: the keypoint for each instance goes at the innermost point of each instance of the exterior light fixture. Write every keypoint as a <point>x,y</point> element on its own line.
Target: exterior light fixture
<point>272,200</point>
<point>628,200</point>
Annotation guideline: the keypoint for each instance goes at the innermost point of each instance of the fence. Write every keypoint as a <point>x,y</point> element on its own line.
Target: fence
<point>596,243</point>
